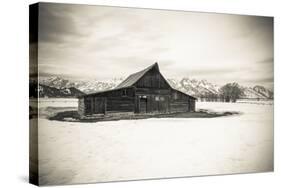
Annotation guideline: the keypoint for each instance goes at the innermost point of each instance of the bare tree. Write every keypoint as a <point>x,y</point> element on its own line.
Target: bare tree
<point>231,92</point>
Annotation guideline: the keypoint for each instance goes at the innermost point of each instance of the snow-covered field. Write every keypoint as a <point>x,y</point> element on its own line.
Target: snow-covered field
<point>55,102</point>
<point>72,152</point>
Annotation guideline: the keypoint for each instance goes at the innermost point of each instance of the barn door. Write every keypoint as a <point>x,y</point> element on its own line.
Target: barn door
<point>100,105</point>
<point>88,106</point>
<point>143,105</point>
<point>163,104</point>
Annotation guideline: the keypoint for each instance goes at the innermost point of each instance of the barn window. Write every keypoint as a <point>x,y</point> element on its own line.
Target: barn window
<point>157,98</point>
<point>124,92</point>
<point>162,98</point>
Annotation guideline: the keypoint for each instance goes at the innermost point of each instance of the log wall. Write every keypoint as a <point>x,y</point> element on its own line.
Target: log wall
<point>181,102</point>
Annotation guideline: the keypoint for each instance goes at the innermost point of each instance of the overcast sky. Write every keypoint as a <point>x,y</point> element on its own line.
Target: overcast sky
<point>95,42</point>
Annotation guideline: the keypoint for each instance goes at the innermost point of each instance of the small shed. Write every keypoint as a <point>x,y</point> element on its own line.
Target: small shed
<point>146,91</point>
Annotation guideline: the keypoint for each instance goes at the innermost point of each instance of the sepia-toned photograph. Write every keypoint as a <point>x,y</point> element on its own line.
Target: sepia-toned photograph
<point>119,94</point>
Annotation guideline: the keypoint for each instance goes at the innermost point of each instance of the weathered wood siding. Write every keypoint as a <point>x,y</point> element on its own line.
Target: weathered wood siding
<point>81,106</point>
<point>151,91</point>
<point>192,105</point>
<point>152,79</point>
<point>120,104</point>
<point>136,100</point>
<point>180,102</point>
<point>153,100</point>
<point>121,100</point>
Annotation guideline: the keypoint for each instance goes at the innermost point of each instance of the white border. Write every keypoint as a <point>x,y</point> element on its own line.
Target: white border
<point>14,90</point>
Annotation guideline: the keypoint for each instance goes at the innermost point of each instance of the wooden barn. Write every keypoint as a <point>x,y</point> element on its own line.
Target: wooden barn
<point>146,91</point>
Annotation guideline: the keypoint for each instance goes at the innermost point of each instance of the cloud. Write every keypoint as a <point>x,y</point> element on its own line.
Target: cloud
<point>104,42</point>
<point>56,23</point>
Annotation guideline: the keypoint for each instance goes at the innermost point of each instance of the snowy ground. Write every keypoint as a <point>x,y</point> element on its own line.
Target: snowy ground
<point>72,152</point>
<point>55,102</point>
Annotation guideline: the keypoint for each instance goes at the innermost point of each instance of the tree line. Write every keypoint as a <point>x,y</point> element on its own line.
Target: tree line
<point>230,92</point>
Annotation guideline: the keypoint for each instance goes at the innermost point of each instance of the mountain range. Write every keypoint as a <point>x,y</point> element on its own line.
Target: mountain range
<point>203,88</point>
<point>53,92</point>
<point>196,88</point>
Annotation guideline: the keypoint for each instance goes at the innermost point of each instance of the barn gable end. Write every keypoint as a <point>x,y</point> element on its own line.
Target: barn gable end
<point>147,78</point>
<point>152,79</point>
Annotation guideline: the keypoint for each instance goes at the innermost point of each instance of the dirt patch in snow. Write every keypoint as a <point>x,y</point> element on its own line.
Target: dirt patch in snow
<point>73,116</point>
